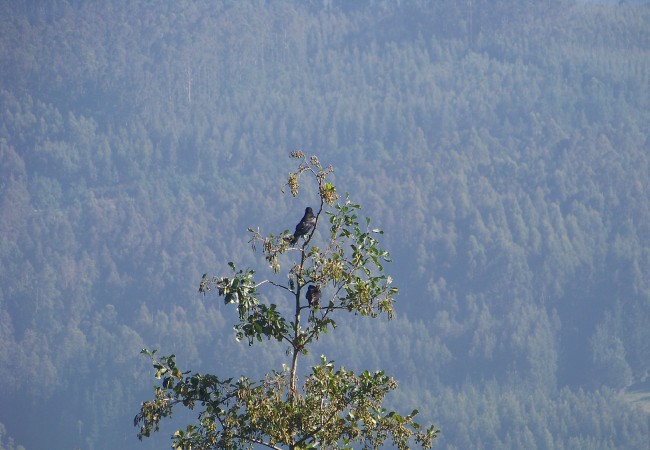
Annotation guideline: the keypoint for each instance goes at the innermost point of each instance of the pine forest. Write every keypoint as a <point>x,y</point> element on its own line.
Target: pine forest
<point>502,146</point>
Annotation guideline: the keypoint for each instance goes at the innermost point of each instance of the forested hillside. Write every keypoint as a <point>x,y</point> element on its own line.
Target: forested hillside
<point>503,146</point>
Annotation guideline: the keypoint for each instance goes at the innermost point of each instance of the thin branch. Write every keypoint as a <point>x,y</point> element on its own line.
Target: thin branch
<point>274,284</point>
<point>256,441</point>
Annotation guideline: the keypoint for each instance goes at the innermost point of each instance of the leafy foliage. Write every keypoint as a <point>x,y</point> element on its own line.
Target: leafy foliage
<point>334,408</point>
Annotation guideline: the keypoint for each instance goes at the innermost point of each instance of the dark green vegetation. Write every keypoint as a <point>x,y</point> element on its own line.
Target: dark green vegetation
<point>503,148</point>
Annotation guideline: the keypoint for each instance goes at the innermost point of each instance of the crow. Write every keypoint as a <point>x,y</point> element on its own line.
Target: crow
<point>305,225</point>
<point>313,295</point>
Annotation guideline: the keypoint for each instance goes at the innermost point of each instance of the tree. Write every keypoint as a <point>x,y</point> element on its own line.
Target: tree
<point>334,407</point>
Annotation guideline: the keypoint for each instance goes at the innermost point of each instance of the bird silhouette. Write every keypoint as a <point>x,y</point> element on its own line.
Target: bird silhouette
<point>305,225</point>
<point>313,295</point>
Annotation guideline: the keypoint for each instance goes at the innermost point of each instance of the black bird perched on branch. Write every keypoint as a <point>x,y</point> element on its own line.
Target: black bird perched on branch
<point>305,225</point>
<point>313,295</point>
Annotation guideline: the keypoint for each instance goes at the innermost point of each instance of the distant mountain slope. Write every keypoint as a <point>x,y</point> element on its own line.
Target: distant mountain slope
<point>502,146</point>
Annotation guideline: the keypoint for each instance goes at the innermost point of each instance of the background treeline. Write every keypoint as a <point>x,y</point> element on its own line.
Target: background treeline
<point>502,145</point>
